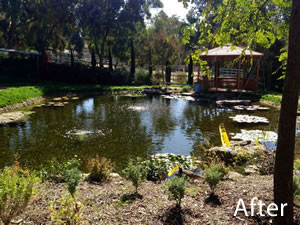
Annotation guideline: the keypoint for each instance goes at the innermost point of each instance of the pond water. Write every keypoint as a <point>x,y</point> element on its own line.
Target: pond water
<point>119,128</point>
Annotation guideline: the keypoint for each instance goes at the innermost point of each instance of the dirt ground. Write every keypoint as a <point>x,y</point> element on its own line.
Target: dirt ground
<point>114,203</point>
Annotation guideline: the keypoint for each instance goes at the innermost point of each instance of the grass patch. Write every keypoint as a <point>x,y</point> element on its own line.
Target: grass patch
<point>13,96</point>
<point>272,96</point>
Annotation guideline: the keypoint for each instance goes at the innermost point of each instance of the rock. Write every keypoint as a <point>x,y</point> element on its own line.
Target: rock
<point>59,104</point>
<point>75,98</point>
<point>249,119</point>
<point>115,175</point>
<point>233,102</point>
<point>234,175</point>
<point>187,94</point>
<point>57,99</point>
<point>65,98</point>
<point>229,154</point>
<point>12,117</point>
<point>251,169</point>
<point>240,143</point>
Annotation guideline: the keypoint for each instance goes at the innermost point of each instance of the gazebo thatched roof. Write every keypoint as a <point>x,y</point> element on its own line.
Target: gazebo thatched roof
<point>227,53</point>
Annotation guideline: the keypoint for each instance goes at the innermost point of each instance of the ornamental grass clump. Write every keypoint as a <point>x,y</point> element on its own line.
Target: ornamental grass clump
<point>136,172</point>
<point>175,189</point>
<point>99,169</point>
<point>16,190</point>
<point>296,187</point>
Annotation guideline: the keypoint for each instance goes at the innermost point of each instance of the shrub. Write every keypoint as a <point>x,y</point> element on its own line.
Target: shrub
<point>16,190</point>
<point>136,173</point>
<point>142,77</point>
<point>265,163</point>
<point>56,171</point>
<point>296,187</point>
<point>213,176</point>
<point>175,189</point>
<point>72,178</point>
<point>66,210</point>
<point>99,169</point>
<point>119,77</point>
<point>156,169</point>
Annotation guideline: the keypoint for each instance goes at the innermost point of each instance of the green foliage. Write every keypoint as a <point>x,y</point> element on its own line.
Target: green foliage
<point>297,165</point>
<point>296,187</point>
<point>156,169</point>
<point>58,172</point>
<point>73,176</point>
<point>142,77</point>
<point>213,176</point>
<point>16,190</point>
<point>265,163</point>
<point>99,169</point>
<point>136,172</point>
<point>66,210</point>
<point>13,96</point>
<point>175,189</point>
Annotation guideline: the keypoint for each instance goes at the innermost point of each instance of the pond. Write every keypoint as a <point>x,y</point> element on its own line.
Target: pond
<point>119,128</point>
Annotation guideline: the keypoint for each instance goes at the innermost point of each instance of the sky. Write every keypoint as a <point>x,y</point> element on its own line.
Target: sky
<point>172,7</point>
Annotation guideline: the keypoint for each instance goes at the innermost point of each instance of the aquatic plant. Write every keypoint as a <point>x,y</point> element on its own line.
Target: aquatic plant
<point>175,189</point>
<point>16,190</point>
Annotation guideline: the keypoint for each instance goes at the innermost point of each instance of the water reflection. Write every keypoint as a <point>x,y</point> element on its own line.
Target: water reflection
<point>164,125</point>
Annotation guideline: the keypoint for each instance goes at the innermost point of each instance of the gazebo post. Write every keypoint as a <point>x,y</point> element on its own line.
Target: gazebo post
<point>239,76</point>
<point>245,74</point>
<point>217,73</point>
<point>257,73</point>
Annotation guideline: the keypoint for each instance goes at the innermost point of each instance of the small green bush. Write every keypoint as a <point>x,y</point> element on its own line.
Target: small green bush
<point>213,176</point>
<point>56,171</point>
<point>99,169</point>
<point>72,178</point>
<point>16,190</point>
<point>175,189</point>
<point>142,77</point>
<point>136,172</point>
<point>296,187</point>
<point>66,210</point>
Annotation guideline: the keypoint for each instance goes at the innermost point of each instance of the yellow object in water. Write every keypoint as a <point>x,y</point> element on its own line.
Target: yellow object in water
<point>224,136</point>
<point>174,170</point>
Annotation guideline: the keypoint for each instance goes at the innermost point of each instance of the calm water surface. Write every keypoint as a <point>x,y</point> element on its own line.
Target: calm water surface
<point>119,128</point>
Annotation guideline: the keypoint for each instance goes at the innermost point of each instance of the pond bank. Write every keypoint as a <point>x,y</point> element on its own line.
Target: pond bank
<point>113,202</point>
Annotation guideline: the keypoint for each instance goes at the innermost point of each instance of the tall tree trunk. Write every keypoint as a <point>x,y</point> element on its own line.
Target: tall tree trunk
<point>103,48</point>
<point>283,175</point>
<point>191,71</point>
<point>72,58</point>
<point>150,64</point>
<point>97,51</point>
<point>168,72</point>
<point>132,67</point>
<point>93,62</point>
<point>110,60</point>
<point>11,35</point>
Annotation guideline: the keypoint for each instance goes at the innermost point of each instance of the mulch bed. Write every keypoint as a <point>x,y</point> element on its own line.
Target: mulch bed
<point>114,202</point>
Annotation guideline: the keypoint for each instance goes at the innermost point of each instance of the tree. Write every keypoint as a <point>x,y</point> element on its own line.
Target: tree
<point>283,176</point>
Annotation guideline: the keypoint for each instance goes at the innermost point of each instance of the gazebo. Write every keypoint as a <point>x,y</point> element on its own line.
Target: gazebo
<point>236,79</point>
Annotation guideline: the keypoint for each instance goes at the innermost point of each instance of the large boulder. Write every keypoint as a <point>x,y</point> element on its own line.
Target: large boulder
<point>237,152</point>
<point>13,117</point>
